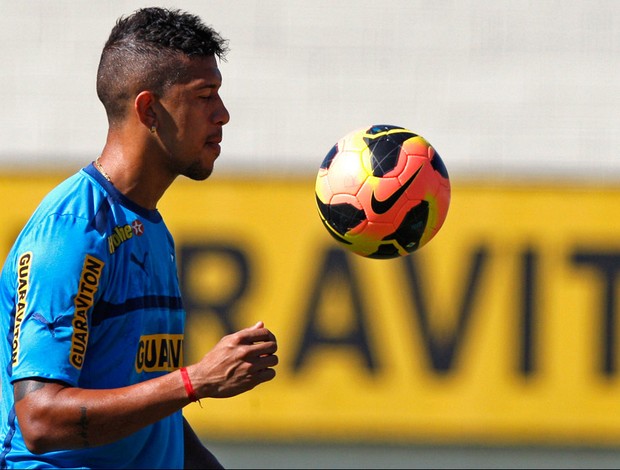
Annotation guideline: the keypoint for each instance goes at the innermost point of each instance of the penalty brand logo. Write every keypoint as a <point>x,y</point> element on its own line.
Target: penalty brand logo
<point>123,233</point>
<point>23,283</point>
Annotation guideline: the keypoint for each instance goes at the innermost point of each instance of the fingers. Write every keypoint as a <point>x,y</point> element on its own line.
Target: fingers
<point>262,361</point>
<point>256,333</point>
<point>265,375</point>
<point>262,368</point>
<point>240,361</point>
<point>261,351</point>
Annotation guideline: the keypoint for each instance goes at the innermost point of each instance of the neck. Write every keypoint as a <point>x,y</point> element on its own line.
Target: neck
<point>134,173</point>
<point>101,170</point>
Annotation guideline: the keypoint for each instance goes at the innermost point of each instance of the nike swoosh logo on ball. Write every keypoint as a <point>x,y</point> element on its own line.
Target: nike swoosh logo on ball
<point>381,207</point>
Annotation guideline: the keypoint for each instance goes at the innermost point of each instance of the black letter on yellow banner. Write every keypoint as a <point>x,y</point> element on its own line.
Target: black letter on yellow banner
<point>608,264</point>
<point>336,295</point>
<point>222,304</point>
<point>443,352</point>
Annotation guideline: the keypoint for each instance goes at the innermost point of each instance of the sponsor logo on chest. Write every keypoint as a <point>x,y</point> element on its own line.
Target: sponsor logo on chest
<point>158,353</point>
<point>122,233</point>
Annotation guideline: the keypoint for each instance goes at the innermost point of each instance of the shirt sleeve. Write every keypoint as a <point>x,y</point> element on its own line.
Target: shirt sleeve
<point>60,269</point>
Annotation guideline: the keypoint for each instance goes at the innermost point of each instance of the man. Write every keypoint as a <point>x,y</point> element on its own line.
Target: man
<point>92,320</point>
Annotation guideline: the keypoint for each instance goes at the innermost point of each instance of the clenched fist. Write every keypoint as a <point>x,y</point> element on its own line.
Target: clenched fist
<point>237,363</point>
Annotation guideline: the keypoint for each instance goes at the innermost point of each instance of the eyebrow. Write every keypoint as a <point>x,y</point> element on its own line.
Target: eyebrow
<point>209,86</point>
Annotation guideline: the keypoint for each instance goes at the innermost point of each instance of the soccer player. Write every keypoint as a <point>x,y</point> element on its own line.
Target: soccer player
<point>91,317</point>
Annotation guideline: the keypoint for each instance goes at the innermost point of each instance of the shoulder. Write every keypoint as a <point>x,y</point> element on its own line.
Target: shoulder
<point>79,196</point>
<point>70,218</point>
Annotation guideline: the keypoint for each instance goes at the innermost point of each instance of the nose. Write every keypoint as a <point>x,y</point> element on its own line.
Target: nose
<point>222,116</point>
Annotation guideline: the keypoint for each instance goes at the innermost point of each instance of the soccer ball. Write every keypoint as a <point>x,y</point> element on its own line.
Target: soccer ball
<point>382,191</point>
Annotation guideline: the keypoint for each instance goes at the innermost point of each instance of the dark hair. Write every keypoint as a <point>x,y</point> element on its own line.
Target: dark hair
<point>149,50</point>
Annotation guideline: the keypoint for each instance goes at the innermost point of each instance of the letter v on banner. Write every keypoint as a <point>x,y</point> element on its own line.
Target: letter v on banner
<point>443,353</point>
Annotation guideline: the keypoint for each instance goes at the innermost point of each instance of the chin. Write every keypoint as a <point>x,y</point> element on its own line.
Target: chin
<point>198,173</point>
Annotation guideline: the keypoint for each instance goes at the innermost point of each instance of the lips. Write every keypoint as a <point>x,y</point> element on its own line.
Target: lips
<point>215,139</point>
<point>214,143</point>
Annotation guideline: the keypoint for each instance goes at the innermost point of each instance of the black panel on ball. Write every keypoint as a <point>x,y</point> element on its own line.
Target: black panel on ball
<point>385,151</point>
<point>438,165</point>
<point>411,229</point>
<point>327,161</point>
<point>341,217</point>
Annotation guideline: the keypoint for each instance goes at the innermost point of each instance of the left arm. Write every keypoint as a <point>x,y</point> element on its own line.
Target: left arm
<point>196,454</point>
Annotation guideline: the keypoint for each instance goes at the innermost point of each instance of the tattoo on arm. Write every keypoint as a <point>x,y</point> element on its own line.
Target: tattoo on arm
<point>24,387</point>
<point>84,427</point>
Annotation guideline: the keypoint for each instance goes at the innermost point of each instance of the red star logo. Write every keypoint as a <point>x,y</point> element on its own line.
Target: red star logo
<point>137,227</point>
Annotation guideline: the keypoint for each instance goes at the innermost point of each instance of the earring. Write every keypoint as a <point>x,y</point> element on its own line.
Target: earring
<point>153,129</point>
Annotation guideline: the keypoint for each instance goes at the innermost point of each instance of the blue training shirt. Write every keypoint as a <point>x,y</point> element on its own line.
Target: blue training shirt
<point>89,296</point>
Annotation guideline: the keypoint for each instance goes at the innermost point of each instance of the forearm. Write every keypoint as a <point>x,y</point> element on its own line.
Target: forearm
<point>54,416</point>
<point>61,417</point>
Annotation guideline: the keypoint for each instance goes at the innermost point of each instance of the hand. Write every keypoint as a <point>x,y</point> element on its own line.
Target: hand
<point>237,363</point>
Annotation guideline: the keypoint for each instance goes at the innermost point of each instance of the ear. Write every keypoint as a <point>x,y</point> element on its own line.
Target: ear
<point>144,106</point>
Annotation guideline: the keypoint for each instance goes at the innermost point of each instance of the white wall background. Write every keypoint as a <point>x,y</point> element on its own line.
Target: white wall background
<point>502,88</point>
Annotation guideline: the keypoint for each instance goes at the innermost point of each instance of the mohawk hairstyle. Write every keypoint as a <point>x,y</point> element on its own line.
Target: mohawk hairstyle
<point>149,50</point>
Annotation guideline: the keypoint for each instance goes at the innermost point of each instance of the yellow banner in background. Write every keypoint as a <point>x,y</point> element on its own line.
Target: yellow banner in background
<point>503,329</point>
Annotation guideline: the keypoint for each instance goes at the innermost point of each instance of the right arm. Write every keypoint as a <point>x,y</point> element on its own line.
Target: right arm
<point>54,416</point>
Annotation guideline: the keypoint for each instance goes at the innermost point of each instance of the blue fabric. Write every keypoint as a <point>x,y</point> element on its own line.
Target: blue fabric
<point>89,296</point>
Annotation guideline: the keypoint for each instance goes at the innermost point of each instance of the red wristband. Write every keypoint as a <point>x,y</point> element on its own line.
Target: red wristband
<point>188,385</point>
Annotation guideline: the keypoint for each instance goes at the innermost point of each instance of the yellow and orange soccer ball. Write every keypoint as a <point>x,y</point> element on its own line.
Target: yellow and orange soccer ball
<point>383,191</point>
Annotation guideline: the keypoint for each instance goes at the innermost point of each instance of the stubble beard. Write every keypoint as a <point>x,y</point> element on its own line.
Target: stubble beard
<point>197,172</point>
